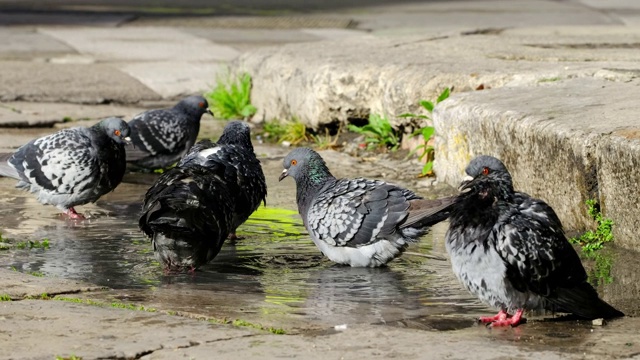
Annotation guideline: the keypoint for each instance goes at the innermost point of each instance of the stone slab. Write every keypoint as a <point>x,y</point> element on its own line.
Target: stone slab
<point>141,44</point>
<point>38,329</point>
<point>20,43</point>
<point>18,286</point>
<point>321,83</point>
<point>173,79</point>
<point>564,141</point>
<point>72,83</point>
<point>233,36</point>
<point>27,114</point>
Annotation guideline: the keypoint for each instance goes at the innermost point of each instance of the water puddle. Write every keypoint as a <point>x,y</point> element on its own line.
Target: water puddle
<point>274,276</point>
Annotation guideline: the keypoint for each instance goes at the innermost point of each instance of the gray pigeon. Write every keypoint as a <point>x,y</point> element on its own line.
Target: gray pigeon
<point>243,175</point>
<point>510,250</point>
<point>192,208</point>
<point>359,222</point>
<point>161,137</point>
<point>72,166</point>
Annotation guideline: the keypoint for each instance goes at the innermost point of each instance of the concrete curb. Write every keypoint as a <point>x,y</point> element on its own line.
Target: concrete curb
<point>565,143</point>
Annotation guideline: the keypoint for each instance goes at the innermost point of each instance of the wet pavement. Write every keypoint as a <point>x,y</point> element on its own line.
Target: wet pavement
<point>274,276</point>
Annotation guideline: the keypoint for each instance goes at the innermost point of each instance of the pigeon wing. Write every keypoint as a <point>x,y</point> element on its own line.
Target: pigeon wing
<point>156,132</point>
<point>357,212</point>
<point>63,162</point>
<point>530,240</point>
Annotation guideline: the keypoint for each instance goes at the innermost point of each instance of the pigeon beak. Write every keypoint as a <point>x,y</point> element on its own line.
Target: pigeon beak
<point>127,140</point>
<point>283,175</point>
<point>209,112</point>
<point>465,184</point>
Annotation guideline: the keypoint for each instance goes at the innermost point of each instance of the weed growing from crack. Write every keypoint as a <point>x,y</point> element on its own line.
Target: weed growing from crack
<point>593,241</point>
<point>425,151</point>
<point>5,297</point>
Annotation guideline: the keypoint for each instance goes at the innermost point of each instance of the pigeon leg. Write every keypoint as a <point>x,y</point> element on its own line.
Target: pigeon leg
<point>71,212</point>
<point>501,316</point>
<point>515,320</point>
<point>233,237</point>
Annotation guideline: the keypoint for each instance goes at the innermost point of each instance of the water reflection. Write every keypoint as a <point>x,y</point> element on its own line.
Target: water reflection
<point>275,275</point>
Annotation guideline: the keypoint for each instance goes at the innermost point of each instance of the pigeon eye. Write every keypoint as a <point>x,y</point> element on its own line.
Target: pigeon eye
<point>117,133</point>
<point>201,104</point>
<point>485,171</point>
<point>294,162</point>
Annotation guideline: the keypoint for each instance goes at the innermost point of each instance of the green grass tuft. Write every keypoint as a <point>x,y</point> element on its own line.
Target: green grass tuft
<point>378,133</point>
<point>231,97</point>
<point>5,297</point>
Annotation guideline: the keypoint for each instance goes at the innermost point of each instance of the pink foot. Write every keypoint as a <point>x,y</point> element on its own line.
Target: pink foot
<point>509,321</point>
<point>71,213</point>
<point>502,315</point>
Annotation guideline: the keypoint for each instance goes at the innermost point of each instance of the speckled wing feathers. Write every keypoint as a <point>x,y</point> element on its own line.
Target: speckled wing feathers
<point>241,171</point>
<point>530,240</point>
<point>63,162</point>
<point>356,212</point>
<point>159,131</point>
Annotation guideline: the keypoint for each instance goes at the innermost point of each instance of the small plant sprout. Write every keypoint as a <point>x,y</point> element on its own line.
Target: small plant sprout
<point>425,151</point>
<point>230,98</point>
<point>326,141</point>
<point>295,132</point>
<point>592,242</point>
<point>378,133</point>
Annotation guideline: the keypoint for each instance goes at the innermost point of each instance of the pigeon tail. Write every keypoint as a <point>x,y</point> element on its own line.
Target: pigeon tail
<point>583,300</point>
<point>6,169</point>
<point>426,212</point>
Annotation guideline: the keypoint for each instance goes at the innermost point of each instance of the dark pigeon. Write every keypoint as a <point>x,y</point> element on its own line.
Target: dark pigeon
<point>72,166</point>
<point>359,222</point>
<point>187,214</point>
<point>192,208</point>
<point>243,174</point>
<point>161,137</point>
<point>510,250</point>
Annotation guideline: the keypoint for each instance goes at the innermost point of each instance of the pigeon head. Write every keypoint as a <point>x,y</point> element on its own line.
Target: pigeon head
<point>194,106</point>
<point>116,128</point>
<point>305,166</point>
<point>236,133</point>
<point>487,178</point>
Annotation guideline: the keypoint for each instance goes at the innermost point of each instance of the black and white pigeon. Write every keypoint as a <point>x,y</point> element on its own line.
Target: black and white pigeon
<point>243,174</point>
<point>187,214</point>
<point>359,222</point>
<point>161,137</point>
<point>72,166</point>
<point>192,208</point>
<point>510,250</point>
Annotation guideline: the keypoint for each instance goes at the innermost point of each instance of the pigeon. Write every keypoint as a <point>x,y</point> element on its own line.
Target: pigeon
<point>187,214</point>
<point>359,222</point>
<point>161,137</point>
<point>243,174</point>
<point>192,208</point>
<point>72,166</point>
<point>509,250</point>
